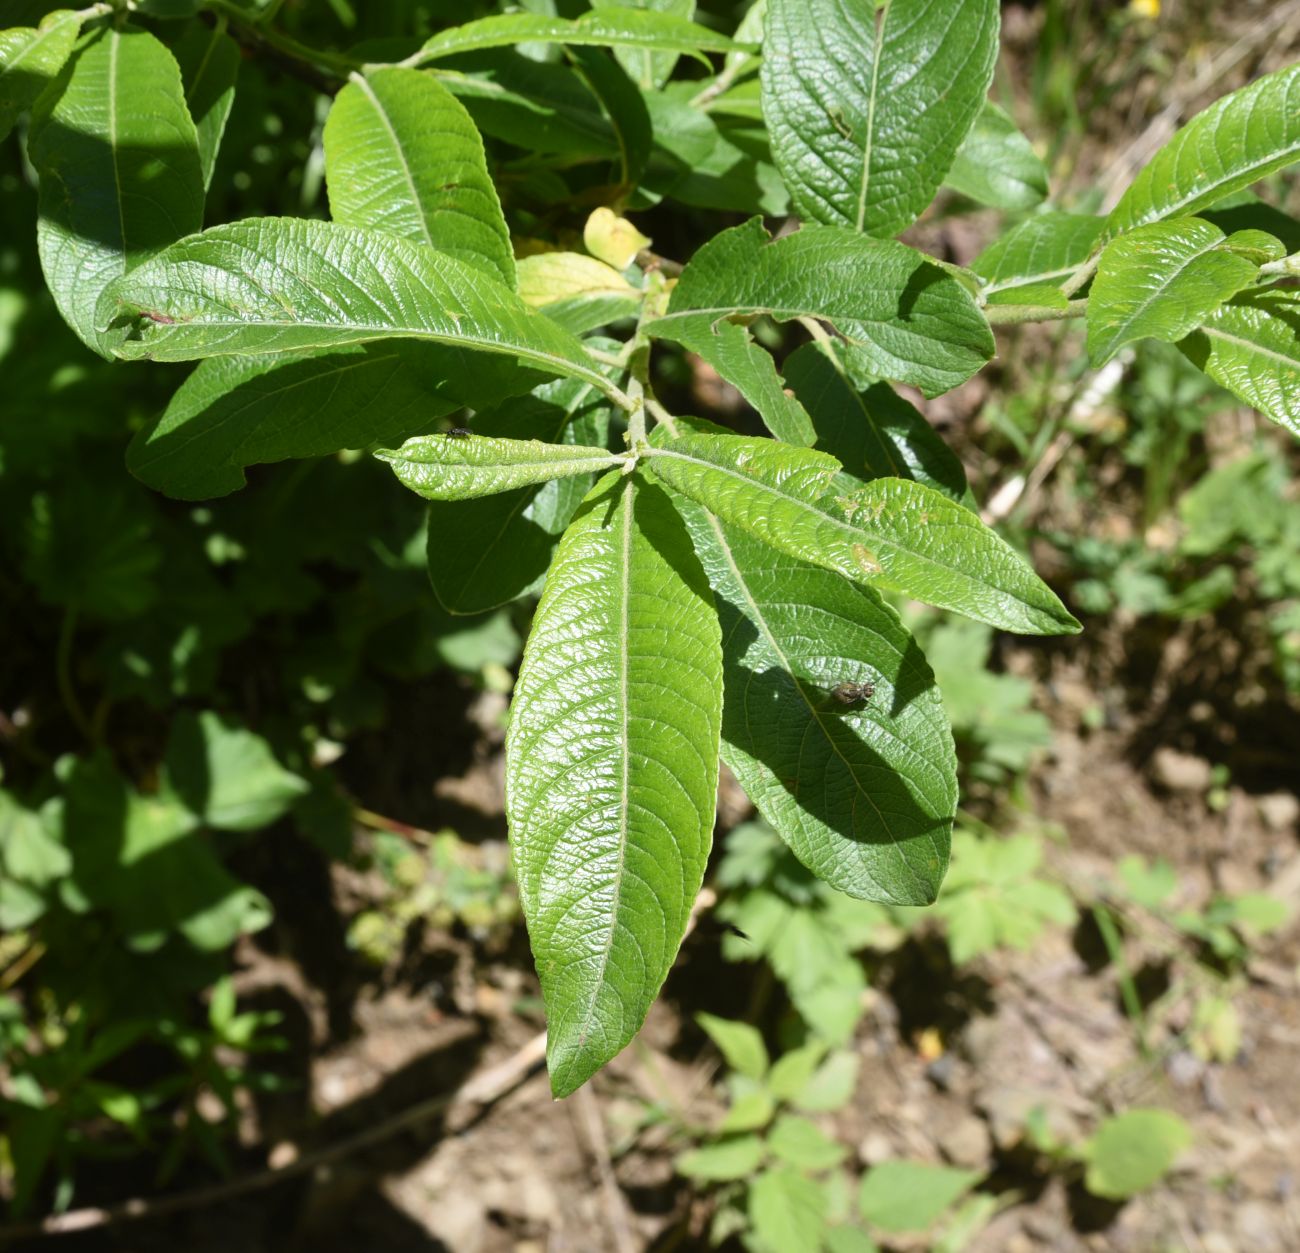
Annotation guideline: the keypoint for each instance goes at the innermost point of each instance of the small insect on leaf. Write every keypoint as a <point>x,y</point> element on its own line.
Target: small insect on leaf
<point>849,693</point>
<point>458,432</point>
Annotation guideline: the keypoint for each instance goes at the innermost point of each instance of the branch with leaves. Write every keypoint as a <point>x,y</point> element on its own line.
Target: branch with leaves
<point>706,596</point>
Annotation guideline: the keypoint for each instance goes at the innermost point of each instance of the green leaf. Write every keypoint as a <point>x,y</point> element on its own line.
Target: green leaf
<point>535,105</point>
<point>209,64</point>
<point>892,532</point>
<point>909,1196</point>
<point>1149,885</point>
<point>120,174</point>
<point>602,27</point>
<point>849,1240</point>
<point>709,159</point>
<point>623,106</point>
<point>865,425</point>
<point>486,553</point>
<point>1258,913</point>
<point>447,467</point>
<point>142,859</point>
<point>996,165</point>
<point>1161,282</point>
<point>912,321</point>
<point>274,285</point>
<point>29,58</point>
<point>730,349</point>
<point>402,155</point>
<point>611,768</point>
<point>788,1212</point>
<point>738,1042</point>
<point>831,1087</point>
<point>20,905</point>
<point>864,796</point>
<point>1132,1151</point>
<point>734,1158</point>
<point>226,776</point>
<point>1245,211</point>
<point>800,1142</point>
<point>867,105</point>
<point>92,547</point>
<point>1251,346</point>
<point>649,69</point>
<point>1237,141</point>
<point>750,1110</point>
<point>233,412</point>
<point>28,850</point>
<point>1041,252</point>
<point>578,292</point>
<point>792,1071</point>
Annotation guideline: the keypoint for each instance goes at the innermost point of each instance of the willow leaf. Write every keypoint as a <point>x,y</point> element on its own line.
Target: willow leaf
<point>867,104</point>
<point>611,768</point>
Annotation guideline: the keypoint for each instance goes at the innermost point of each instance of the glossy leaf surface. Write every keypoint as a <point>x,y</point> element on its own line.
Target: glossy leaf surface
<point>893,532</point>
<point>603,27</point>
<point>868,104</point>
<point>485,553</point>
<point>863,792</point>
<point>1251,346</point>
<point>912,321</point>
<point>209,62</point>
<point>402,155</point>
<point>730,349</point>
<point>1235,142</point>
<point>611,772</point>
<point>867,426</point>
<point>1039,253</point>
<point>274,285</point>
<point>234,412</point>
<point>462,467</point>
<point>996,165</point>
<point>120,174</point>
<point>30,56</point>
<point>1160,282</point>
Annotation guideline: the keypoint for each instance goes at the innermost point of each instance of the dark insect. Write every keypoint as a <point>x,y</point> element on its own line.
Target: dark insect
<point>848,693</point>
<point>458,432</point>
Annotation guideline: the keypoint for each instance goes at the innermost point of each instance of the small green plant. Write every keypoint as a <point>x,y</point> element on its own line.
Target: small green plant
<point>994,897</point>
<point>55,1090</point>
<point>779,1177</point>
<point>1128,1153</point>
<point>809,933</point>
<point>446,883</point>
<point>1207,948</point>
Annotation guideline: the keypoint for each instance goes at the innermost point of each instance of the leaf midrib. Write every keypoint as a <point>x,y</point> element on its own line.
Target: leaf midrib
<point>1208,194</point>
<point>625,762</point>
<point>405,165</point>
<point>881,17</point>
<point>520,505</point>
<point>370,332</point>
<point>115,39</point>
<point>1251,346</point>
<point>1120,329</point>
<point>856,533</point>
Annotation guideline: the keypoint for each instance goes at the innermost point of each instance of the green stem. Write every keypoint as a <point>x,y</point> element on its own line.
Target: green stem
<point>1110,937</point>
<point>1018,315</point>
<point>1082,274</point>
<point>256,30</point>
